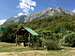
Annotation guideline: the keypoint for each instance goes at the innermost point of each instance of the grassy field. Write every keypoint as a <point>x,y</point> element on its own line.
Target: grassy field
<point>7,49</point>
<point>11,47</point>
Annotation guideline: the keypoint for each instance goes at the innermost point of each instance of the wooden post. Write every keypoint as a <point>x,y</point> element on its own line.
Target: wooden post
<point>43,40</point>
<point>29,40</point>
<point>23,41</point>
<point>46,52</point>
<point>16,40</point>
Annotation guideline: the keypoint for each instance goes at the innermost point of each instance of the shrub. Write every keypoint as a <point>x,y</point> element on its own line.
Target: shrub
<point>70,40</point>
<point>52,45</point>
<point>52,41</point>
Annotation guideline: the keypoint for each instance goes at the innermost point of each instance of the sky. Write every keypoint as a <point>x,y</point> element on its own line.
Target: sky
<point>9,8</point>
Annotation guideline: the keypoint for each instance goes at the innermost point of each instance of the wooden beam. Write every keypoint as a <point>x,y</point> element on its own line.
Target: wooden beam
<point>16,40</point>
<point>29,40</point>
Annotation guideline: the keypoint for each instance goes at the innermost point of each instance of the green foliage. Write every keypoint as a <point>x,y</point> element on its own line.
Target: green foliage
<point>57,25</point>
<point>51,41</point>
<point>52,45</point>
<point>70,40</point>
<point>9,36</point>
<point>53,23</point>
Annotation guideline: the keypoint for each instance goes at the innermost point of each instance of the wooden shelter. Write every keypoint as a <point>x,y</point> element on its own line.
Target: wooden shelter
<point>23,35</point>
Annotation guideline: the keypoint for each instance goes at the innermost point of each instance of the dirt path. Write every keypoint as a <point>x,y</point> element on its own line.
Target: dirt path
<point>26,53</point>
<point>72,52</point>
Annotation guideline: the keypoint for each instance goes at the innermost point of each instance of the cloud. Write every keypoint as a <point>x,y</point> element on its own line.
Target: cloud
<point>19,14</point>
<point>26,6</point>
<point>73,11</point>
<point>2,21</point>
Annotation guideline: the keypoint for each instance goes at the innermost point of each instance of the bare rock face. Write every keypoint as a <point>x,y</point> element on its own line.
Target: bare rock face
<point>48,12</point>
<point>45,13</point>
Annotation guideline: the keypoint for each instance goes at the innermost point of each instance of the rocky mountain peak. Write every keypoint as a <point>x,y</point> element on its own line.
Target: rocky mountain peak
<point>43,14</point>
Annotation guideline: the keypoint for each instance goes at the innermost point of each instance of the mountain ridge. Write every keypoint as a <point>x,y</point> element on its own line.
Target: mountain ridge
<point>43,14</point>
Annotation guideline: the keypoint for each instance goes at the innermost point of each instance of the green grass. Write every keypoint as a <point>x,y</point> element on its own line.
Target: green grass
<point>9,47</point>
<point>58,53</point>
<point>23,51</point>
